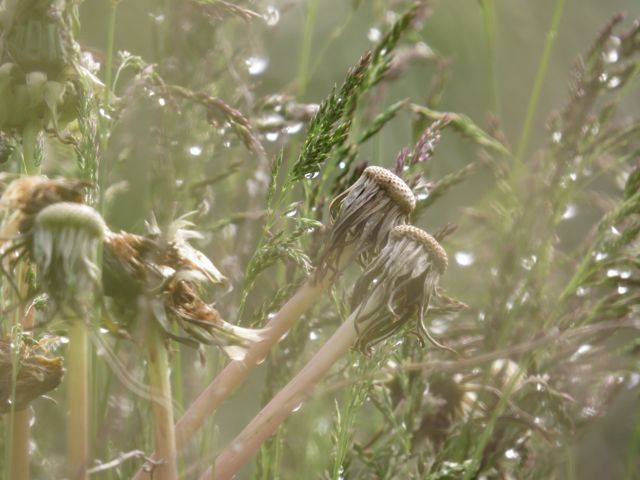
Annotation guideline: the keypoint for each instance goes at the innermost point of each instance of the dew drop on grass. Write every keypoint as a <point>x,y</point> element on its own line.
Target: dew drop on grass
<point>256,64</point>
<point>312,175</point>
<point>271,16</point>
<point>512,454</point>
<point>293,128</point>
<point>162,102</point>
<point>622,289</point>
<point>614,82</point>
<point>556,137</point>
<point>612,272</point>
<point>313,335</point>
<point>570,212</point>
<point>529,262</point>
<point>374,34</point>
<point>464,259</point>
<point>297,407</point>
<point>272,136</point>
<point>582,291</point>
<point>599,256</point>
<point>195,150</point>
<point>611,55</point>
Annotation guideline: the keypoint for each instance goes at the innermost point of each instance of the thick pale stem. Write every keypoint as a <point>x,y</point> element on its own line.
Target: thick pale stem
<point>164,432</point>
<point>236,372</point>
<point>265,423</point>
<point>78,401</point>
<point>21,425</point>
<point>20,444</point>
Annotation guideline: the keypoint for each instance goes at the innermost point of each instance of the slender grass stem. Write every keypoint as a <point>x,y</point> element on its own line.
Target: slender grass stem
<point>539,80</point>
<point>78,400</point>
<point>305,52</point>
<point>236,372</point>
<point>238,452</point>
<point>164,431</point>
<point>489,22</point>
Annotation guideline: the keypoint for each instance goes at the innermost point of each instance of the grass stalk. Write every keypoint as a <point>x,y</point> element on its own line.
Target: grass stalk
<point>164,431</point>
<point>305,52</point>
<point>265,423</point>
<point>78,400</point>
<point>539,80</point>
<point>21,420</point>
<point>237,371</point>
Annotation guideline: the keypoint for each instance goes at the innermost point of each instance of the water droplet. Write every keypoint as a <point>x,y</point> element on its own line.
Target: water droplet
<point>291,213</point>
<point>614,82</point>
<point>256,65</point>
<point>464,259</point>
<point>313,335</point>
<point>297,407</point>
<point>226,144</point>
<point>271,16</point>
<point>422,196</point>
<point>312,175</point>
<point>540,387</point>
<point>195,150</point>
<point>556,137</point>
<point>599,256</point>
<point>162,102</point>
<point>622,289</point>
<point>625,274</point>
<point>374,34</point>
<point>529,262</point>
<point>570,212</point>
<point>158,18</point>
<point>293,128</point>
<point>603,78</point>
<point>615,231</point>
<point>342,165</point>
<point>512,454</point>
<point>582,291</point>
<point>272,136</point>
<point>612,272</point>
<point>64,340</point>
<point>103,113</point>
<point>611,55</point>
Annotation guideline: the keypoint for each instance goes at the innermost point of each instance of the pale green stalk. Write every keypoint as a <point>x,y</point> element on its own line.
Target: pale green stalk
<point>305,52</point>
<point>77,365</point>
<point>539,80</point>
<point>164,431</point>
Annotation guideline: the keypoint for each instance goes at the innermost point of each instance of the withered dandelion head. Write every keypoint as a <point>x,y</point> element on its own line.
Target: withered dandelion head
<point>64,245</point>
<point>397,285</point>
<point>364,214</point>
<point>165,275</point>
<point>37,374</point>
<point>23,199</point>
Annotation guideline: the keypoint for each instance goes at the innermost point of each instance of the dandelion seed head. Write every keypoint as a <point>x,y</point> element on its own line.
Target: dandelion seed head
<point>395,187</point>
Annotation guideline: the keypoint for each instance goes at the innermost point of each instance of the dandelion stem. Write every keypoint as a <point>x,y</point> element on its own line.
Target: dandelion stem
<point>165,443</point>
<point>236,372</point>
<point>77,400</point>
<point>238,452</point>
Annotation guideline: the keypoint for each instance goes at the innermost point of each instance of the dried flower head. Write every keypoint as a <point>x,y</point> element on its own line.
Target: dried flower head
<point>36,374</point>
<point>64,244</point>
<point>397,285</point>
<point>165,274</point>
<point>364,214</point>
